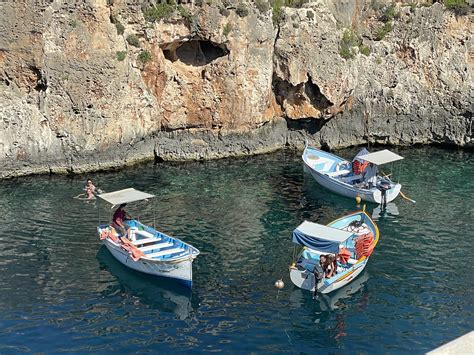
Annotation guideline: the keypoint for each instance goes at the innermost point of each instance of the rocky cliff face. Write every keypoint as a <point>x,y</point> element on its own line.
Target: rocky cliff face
<point>95,85</point>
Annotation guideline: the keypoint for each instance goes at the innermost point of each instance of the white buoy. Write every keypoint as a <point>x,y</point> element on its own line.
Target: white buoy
<point>279,284</point>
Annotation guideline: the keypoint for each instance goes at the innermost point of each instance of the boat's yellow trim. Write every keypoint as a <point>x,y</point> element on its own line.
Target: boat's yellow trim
<point>346,275</point>
<point>376,240</point>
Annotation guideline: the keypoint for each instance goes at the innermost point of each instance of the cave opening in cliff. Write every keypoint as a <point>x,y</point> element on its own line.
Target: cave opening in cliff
<point>41,84</point>
<point>314,94</point>
<point>195,52</point>
<point>297,95</point>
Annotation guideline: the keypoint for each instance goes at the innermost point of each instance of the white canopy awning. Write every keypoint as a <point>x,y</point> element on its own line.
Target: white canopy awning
<point>125,196</point>
<point>323,232</point>
<point>380,157</point>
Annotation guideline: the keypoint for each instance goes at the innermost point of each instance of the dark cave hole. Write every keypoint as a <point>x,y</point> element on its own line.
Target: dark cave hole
<point>317,99</point>
<point>41,83</point>
<point>294,94</point>
<point>194,52</point>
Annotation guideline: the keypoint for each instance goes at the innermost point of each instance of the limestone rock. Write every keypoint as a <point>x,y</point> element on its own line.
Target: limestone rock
<point>92,85</point>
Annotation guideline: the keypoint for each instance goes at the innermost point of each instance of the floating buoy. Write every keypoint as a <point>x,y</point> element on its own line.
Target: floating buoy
<point>358,199</point>
<point>279,284</point>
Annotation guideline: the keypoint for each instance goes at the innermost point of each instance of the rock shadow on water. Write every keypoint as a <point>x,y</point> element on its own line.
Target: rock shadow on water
<point>157,293</point>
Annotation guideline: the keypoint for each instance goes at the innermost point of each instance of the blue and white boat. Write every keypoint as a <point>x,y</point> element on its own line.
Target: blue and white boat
<point>349,240</point>
<point>145,249</point>
<point>338,175</point>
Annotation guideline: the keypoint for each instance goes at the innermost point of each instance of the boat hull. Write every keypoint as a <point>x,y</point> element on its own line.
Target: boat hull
<point>341,188</point>
<point>180,271</point>
<point>373,195</point>
<point>306,280</point>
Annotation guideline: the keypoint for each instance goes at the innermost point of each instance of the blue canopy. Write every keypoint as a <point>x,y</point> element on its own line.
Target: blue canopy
<point>319,237</point>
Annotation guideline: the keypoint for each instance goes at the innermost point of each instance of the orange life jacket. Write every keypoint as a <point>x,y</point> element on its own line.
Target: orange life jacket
<point>343,256</point>
<point>359,167</point>
<point>364,245</point>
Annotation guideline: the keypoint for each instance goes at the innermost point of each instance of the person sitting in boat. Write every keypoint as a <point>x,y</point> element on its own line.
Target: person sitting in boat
<point>328,263</point>
<point>119,220</point>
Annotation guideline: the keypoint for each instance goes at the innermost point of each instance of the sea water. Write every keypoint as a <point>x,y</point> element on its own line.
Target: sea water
<point>60,290</point>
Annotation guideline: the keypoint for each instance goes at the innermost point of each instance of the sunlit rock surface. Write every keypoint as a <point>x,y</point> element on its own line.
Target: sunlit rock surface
<point>80,93</point>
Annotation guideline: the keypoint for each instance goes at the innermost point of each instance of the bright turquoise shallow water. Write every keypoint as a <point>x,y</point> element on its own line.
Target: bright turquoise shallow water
<point>61,291</point>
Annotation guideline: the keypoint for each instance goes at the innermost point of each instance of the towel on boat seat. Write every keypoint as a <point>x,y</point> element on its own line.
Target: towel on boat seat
<point>135,253</point>
<point>109,233</point>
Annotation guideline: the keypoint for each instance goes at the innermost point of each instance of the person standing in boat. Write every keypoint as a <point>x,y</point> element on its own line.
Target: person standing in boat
<point>119,220</point>
<point>370,175</point>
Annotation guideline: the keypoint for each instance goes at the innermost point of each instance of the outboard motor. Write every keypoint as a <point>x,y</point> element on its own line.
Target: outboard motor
<point>383,186</point>
<point>318,276</point>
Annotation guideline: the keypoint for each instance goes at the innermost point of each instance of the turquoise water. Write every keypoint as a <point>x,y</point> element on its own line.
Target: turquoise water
<point>62,291</point>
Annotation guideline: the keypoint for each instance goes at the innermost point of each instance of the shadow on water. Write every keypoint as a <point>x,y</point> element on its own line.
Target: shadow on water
<point>158,293</point>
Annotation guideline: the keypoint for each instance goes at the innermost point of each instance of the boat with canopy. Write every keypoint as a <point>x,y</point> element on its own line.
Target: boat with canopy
<point>144,248</point>
<point>347,242</point>
<point>359,178</point>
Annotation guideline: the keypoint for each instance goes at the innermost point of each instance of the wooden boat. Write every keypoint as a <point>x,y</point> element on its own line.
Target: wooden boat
<point>337,174</point>
<point>350,240</point>
<point>146,249</point>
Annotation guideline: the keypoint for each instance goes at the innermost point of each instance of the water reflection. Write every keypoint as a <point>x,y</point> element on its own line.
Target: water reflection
<point>334,300</point>
<point>155,292</point>
<point>391,210</point>
<point>328,318</point>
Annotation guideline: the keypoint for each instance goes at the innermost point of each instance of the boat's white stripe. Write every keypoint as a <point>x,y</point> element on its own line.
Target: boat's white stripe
<point>165,252</point>
<point>156,246</point>
<point>146,241</point>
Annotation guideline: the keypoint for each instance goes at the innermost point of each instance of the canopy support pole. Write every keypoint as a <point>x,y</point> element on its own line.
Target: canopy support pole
<point>154,215</point>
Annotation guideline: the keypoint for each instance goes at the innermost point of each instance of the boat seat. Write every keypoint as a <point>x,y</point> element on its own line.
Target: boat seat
<point>156,246</point>
<point>146,241</point>
<point>338,173</point>
<point>313,157</point>
<point>165,252</point>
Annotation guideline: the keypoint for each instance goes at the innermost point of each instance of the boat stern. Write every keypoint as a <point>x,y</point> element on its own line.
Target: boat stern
<point>302,278</point>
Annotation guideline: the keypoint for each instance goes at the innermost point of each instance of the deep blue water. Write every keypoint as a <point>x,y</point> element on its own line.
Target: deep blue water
<point>62,291</point>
